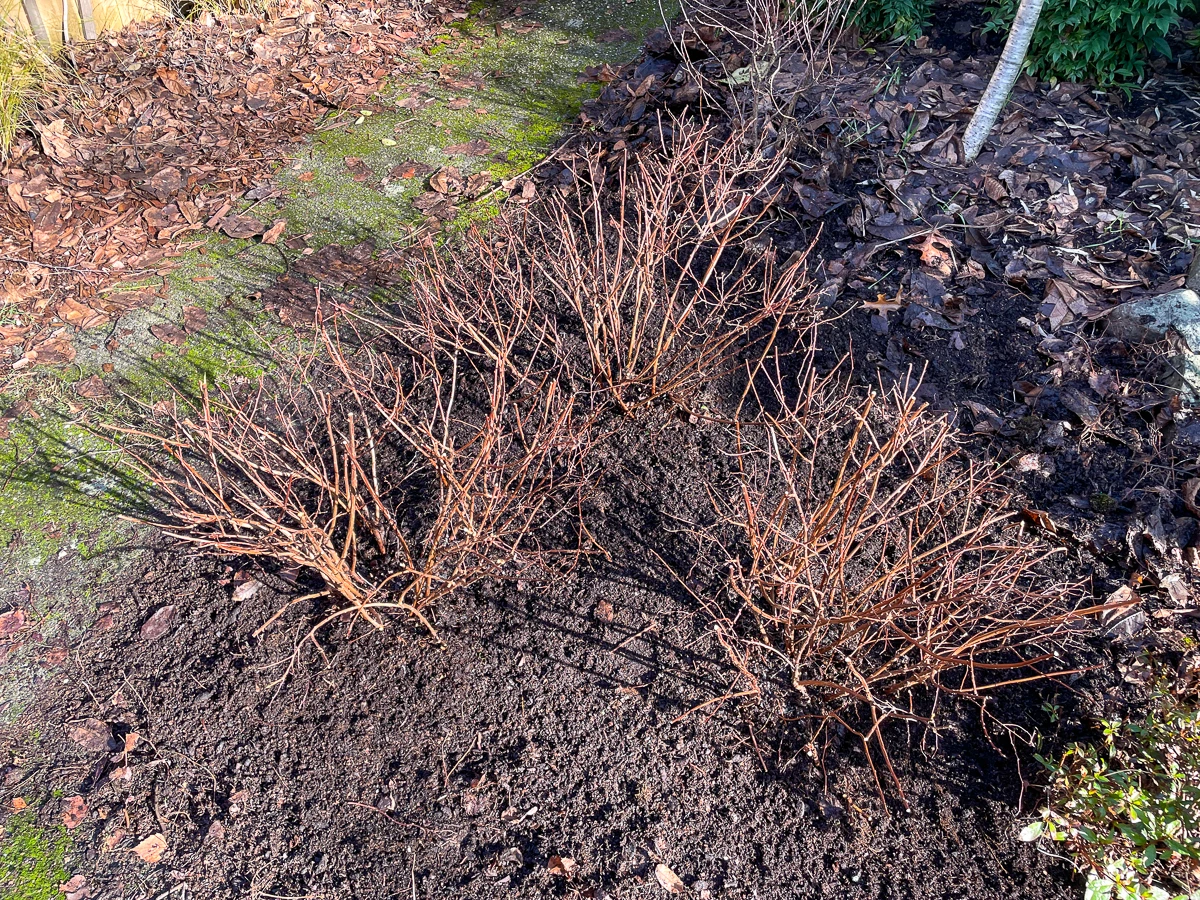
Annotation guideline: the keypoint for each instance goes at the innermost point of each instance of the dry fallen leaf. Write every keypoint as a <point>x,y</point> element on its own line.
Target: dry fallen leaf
<point>1190,488</point>
<point>275,231</point>
<point>11,623</point>
<point>1041,519</point>
<point>241,226</point>
<point>169,334</point>
<point>934,253</point>
<point>75,812</point>
<point>246,590</point>
<point>162,621</point>
<point>195,318</point>
<point>476,147</point>
<point>670,882</point>
<point>151,849</point>
<point>91,734</point>
<point>562,865</point>
<point>56,140</point>
<point>883,305</point>
<point>92,388</point>
<point>110,842</point>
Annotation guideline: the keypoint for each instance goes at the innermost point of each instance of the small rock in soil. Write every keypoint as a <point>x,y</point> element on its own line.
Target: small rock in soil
<point>1151,319</point>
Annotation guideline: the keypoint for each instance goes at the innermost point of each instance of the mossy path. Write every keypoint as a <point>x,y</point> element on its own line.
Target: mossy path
<point>492,94</point>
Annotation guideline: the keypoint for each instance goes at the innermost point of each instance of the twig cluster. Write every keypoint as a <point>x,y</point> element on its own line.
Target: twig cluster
<point>785,46</point>
<point>400,475</point>
<point>874,564</point>
<point>645,289</point>
<point>417,448</point>
<point>663,280</point>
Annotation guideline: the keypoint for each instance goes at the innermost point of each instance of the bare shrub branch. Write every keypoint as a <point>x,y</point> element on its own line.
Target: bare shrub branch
<point>399,477</point>
<point>645,289</point>
<point>662,274</point>
<point>786,45</point>
<point>877,566</point>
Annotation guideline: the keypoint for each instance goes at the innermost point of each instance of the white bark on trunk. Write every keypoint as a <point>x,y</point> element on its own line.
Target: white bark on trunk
<point>1003,79</point>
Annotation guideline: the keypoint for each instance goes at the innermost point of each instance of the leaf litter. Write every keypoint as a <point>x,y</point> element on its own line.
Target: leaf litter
<point>171,125</point>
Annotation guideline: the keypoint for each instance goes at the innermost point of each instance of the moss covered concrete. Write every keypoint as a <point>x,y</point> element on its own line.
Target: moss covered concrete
<point>514,87</point>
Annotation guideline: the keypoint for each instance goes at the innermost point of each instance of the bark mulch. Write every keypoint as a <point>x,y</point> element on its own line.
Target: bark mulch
<point>168,126</point>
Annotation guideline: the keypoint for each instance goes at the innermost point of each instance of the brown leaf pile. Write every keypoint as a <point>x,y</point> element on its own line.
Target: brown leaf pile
<point>171,124</point>
<point>1087,200</point>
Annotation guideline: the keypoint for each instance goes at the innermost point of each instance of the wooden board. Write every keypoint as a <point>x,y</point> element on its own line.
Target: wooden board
<point>86,19</point>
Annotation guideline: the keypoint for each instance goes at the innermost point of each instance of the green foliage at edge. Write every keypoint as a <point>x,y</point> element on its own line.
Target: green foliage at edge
<point>1109,41</point>
<point>1128,808</point>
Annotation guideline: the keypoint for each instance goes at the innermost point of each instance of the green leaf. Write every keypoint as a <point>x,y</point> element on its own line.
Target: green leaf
<point>1098,888</point>
<point>1032,831</point>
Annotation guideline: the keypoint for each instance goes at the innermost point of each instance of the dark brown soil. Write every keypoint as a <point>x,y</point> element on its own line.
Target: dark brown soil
<point>394,765</point>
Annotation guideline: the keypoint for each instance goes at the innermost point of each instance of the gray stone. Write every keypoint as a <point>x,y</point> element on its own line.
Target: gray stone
<point>1153,318</point>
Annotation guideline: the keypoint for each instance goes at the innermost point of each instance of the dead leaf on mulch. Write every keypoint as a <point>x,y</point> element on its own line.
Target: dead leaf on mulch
<point>614,36</point>
<point>11,623</point>
<point>56,140</point>
<point>410,168</point>
<point>246,590</point>
<point>92,735</point>
<point>670,882</point>
<point>80,314</point>
<point>1190,488</point>
<point>243,227</point>
<point>110,843</point>
<point>75,888</point>
<point>74,812</point>
<point>172,121</point>
<point>162,621</point>
<point>167,182</point>
<point>151,849</point>
<point>169,334</point>
<point>562,865</point>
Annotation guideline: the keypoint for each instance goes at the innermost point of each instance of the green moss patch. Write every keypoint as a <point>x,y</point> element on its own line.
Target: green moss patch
<point>32,860</point>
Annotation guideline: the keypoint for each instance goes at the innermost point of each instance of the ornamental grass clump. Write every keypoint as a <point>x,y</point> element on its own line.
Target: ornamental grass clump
<point>27,70</point>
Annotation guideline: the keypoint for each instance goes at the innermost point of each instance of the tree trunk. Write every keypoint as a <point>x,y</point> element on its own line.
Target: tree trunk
<point>1003,79</point>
